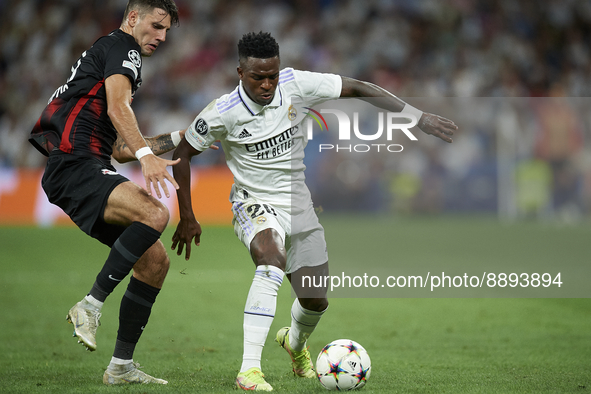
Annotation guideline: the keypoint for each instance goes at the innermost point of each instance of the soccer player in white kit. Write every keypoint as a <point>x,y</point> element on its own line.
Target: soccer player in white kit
<point>273,212</point>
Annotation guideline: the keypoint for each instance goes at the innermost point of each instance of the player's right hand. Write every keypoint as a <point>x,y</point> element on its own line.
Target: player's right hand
<point>438,126</point>
<point>154,170</point>
<point>184,234</point>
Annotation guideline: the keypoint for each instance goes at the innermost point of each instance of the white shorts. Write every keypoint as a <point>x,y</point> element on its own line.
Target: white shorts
<point>302,234</point>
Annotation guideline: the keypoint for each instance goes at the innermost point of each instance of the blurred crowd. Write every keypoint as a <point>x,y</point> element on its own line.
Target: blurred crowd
<point>419,48</point>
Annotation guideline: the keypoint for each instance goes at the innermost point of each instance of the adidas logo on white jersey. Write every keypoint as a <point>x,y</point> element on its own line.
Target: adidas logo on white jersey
<point>244,134</point>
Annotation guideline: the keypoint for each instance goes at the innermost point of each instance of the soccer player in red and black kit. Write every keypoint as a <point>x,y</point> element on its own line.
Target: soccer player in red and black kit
<point>88,120</point>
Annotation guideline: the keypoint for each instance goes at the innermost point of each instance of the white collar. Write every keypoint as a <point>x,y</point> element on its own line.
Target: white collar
<point>255,108</point>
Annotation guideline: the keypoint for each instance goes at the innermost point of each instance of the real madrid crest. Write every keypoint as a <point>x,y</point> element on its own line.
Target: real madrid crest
<point>261,220</point>
<point>292,113</point>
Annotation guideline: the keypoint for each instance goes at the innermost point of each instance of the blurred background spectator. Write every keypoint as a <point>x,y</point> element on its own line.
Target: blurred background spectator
<point>422,49</point>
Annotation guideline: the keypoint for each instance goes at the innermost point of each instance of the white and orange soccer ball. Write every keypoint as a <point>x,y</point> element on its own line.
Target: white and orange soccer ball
<point>343,365</point>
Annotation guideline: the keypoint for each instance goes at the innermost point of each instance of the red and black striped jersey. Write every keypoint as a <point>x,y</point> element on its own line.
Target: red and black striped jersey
<point>75,120</point>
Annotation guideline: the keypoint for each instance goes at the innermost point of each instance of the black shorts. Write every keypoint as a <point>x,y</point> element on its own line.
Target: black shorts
<point>81,187</point>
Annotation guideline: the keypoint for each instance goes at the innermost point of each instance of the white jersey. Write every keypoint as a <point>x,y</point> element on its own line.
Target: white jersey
<point>264,145</point>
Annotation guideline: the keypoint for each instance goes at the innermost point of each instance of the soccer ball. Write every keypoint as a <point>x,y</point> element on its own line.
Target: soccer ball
<point>343,365</point>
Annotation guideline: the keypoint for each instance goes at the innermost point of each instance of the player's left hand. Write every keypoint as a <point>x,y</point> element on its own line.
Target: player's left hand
<point>154,171</point>
<point>184,234</point>
<point>438,126</point>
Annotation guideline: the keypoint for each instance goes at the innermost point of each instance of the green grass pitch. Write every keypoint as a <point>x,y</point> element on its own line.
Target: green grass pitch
<point>194,338</point>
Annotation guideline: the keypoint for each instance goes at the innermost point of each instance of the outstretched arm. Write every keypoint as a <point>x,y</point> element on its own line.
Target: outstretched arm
<point>429,123</point>
<point>188,227</point>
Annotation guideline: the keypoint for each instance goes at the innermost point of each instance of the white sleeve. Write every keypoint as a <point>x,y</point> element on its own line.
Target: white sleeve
<point>206,128</point>
<point>318,85</point>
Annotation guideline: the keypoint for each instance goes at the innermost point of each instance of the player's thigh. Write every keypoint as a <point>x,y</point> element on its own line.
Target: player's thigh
<point>153,266</point>
<point>307,244</point>
<point>267,248</point>
<point>81,187</point>
<point>261,229</point>
<point>129,203</point>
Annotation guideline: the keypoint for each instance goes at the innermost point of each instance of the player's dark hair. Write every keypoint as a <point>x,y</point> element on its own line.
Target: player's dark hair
<point>146,6</point>
<point>258,45</point>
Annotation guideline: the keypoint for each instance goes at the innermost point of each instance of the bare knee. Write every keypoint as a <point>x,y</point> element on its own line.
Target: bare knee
<point>130,203</point>
<point>153,213</point>
<point>267,249</point>
<point>158,217</point>
<point>314,304</point>
<point>311,297</point>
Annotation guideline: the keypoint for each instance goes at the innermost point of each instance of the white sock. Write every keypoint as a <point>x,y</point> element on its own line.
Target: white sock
<point>303,323</point>
<point>94,302</point>
<point>119,363</point>
<point>259,312</point>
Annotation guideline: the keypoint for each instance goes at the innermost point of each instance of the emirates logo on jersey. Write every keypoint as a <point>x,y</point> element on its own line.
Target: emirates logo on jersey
<point>135,58</point>
<point>274,146</point>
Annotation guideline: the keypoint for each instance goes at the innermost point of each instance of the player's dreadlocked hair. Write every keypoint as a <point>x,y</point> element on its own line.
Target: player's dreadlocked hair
<point>146,6</point>
<point>258,45</point>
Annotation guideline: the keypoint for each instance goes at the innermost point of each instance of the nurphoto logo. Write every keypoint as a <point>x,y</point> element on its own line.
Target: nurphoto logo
<point>389,123</point>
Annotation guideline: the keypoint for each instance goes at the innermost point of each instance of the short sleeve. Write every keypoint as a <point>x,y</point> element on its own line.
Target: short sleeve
<point>207,127</point>
<point>318,85</point>
<point>123,58</point>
